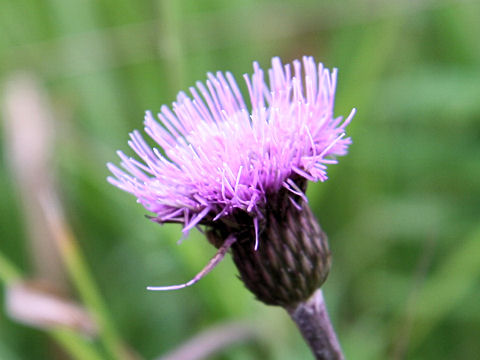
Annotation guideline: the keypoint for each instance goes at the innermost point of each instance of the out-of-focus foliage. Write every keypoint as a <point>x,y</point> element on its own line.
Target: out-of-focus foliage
<point>402,209</point>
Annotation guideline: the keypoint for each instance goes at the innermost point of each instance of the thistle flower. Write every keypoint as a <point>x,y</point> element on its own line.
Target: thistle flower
<point>242,170</point>
<point>220,159</point>
<point>230,168</point>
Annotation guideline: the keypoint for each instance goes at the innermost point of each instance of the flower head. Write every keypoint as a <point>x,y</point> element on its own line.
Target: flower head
<point>217,159</point>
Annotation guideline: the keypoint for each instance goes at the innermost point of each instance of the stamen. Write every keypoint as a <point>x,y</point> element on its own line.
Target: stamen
<point>293,188</point>
<point>215,260</point>
<point>332,144</point>
<point>255,225</point>
<point>294,203</point>
<point>349,118</point>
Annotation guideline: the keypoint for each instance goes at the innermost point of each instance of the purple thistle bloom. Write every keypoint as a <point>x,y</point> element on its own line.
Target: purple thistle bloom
<point>243,173</point>
<point>219,157</point>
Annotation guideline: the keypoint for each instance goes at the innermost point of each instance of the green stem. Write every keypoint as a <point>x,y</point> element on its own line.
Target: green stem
<point>82,279</point>
<point>72,342</point>
<point>77,347</point>
<point>171,46</point>
<point>8,272</point>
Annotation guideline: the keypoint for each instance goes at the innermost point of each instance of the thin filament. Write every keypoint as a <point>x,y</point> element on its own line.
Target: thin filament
<point>215,260</point>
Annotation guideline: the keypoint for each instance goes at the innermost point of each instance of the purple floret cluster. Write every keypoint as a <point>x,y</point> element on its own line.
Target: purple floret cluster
<point>217,154</point>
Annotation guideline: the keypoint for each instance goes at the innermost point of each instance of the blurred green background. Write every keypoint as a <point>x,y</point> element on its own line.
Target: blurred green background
<point>402,209</point>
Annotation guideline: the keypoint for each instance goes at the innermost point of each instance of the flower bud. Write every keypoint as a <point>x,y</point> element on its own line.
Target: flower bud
<point>292,259</point>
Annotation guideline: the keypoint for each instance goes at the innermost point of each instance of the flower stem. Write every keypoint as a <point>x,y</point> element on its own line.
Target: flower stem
<point>312,319</point>
<point>81,277</point>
